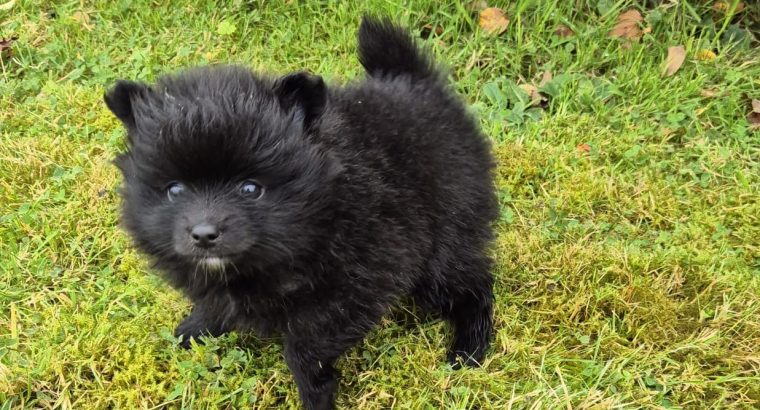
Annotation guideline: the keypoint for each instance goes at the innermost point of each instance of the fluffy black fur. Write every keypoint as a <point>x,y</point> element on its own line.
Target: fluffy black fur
<point>286,207</point>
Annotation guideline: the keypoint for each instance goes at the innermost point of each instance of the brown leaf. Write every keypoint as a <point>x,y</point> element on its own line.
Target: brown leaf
<point>5,46</point>
<point>428,29</point>
<point>563,31</point>
<point>477,5</point>
<point>754,120</point>
<point>5,43</point>
<point>545,78</point>
<point>583,148</point>
<point>532,91</point>
<point>627,26</point>
<point>676,57</point>
<point>493,21</point>
<point>754,117</point>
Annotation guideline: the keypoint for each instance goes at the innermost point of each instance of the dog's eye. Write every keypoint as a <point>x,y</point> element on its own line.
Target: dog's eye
<point>174,190</point>
<point>252,189</point>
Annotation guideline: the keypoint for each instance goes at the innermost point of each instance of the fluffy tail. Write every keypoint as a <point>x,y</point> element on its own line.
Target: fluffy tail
<point>387,50</point>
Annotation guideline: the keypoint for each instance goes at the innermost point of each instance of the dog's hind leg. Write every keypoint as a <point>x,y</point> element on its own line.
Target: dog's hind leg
<point>462,293</point>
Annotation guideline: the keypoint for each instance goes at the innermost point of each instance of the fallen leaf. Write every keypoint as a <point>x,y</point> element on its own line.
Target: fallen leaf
<point>7,6</point>
<point>83,18</point>
<point>428,29</point>
<point>5,46</point>
<point>583,148</point>
<point>477,5</point>
<point>705,55</point>
<point>627,26</point>
<point>675,59</point>
<point>724,6</point>
<point>545,78</point>
<point>647,30</point>
<point>563,31</point>
<point>754,120</point>
<point>754,116</point>
<point>493,21</point>
<point>708,93</point>
<point>532,91</point>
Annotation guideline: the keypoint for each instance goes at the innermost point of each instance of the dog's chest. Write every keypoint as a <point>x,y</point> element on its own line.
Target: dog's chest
<point>266,315</point>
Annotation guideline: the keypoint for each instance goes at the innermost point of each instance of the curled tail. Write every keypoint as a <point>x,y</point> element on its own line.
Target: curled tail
<point>387,50</point>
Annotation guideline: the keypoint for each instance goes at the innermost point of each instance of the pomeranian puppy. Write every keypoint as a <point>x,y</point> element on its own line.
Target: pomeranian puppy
<point>290,208</point>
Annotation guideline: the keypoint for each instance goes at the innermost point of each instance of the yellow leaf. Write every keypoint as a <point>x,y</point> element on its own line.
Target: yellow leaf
<point>709,93</point>
<point>705,55</point>
<point>83,18</point>
<point>493,21</point>
<point>725,6</point>
<point>676,57</point>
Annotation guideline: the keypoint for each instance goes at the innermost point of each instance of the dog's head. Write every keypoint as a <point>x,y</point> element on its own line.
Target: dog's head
<point>220,169</point>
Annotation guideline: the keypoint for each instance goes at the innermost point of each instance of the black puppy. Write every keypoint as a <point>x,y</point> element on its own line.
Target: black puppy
<point>286,207</point>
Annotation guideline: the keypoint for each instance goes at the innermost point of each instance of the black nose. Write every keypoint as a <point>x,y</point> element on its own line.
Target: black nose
<point>204,235</point>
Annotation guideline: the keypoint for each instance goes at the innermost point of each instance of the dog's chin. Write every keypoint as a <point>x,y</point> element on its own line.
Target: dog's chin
<point>213,263</point>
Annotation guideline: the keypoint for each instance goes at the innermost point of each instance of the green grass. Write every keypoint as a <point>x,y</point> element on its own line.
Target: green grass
<point>628,276</point>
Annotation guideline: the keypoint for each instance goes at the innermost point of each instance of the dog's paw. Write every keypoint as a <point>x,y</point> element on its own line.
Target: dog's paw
<point>188,330</point>
<point>457,360</point>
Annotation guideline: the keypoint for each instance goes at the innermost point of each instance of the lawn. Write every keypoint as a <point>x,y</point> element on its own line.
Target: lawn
<point>628,250</point>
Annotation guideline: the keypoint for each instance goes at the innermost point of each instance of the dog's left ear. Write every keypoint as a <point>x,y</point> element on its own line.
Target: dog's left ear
<point>304,92</point>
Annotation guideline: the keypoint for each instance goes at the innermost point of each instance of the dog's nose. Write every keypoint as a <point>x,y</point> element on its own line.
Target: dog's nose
<point>204,235</point>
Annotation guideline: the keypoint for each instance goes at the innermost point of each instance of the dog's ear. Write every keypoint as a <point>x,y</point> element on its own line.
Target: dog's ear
<point>119,100</point>
<point>304,92</point>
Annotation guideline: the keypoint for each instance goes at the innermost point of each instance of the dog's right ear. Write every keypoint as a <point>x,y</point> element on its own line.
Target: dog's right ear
<point>119,100</point>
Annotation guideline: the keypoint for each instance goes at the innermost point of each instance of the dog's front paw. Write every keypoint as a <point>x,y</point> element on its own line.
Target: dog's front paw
<point>459,359</point>
<point>189,329</point>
